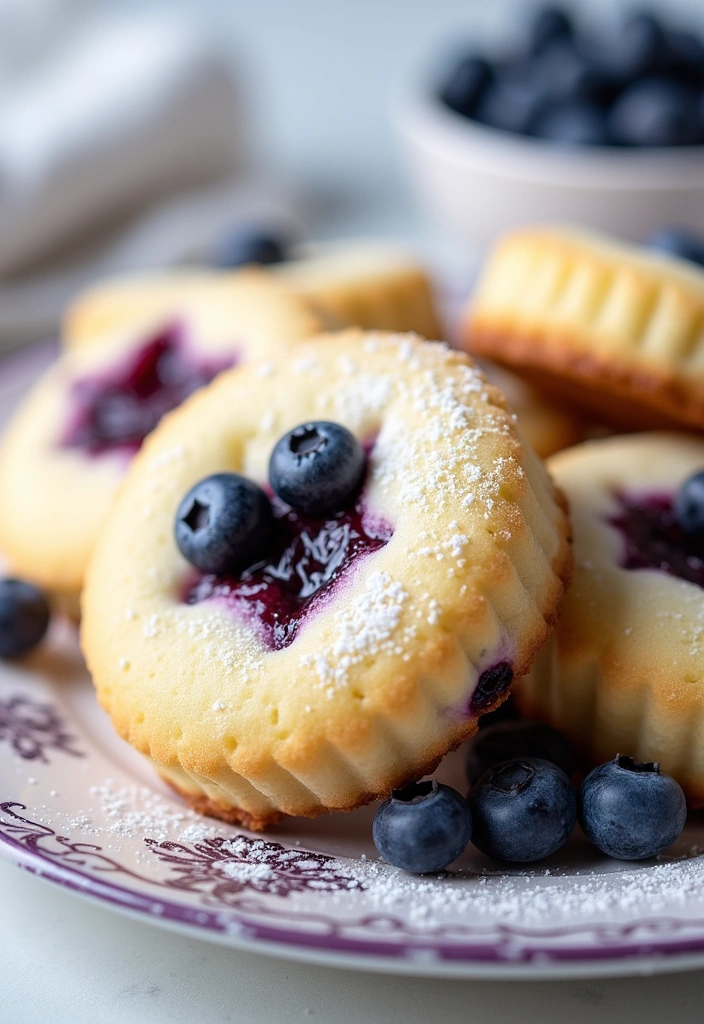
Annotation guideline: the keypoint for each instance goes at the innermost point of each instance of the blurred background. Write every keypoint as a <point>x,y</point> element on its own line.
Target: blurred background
<point>138,134</point>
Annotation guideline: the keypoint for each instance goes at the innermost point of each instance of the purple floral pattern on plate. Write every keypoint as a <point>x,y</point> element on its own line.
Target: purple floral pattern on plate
<point>32,728</point>
<point>223,868</point>
<point>216,869</point>
<point>211,893</point>
<point>83,867</point>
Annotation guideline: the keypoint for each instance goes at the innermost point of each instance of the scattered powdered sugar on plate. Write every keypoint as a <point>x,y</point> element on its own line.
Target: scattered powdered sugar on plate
<point>531,897</point>
<point>463,901</point>
<point>134,811</point>
<point>242,871</point>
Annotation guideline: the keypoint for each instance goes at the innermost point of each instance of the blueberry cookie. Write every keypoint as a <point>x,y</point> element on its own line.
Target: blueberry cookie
<point>319,573</point>
<point>624,670</point>
<point>547,426</point>
<point>615,330</point>
<point>366,285</point>
<point>349,285</point>
<point>69,444</point>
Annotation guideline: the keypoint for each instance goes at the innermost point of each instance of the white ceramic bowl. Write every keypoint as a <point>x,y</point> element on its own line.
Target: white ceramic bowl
<point>476,182</point>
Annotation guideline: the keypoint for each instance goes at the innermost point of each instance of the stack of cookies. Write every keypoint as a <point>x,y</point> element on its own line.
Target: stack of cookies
<point>310,549</point>
<point>308,556</point>
<point>617,334</point>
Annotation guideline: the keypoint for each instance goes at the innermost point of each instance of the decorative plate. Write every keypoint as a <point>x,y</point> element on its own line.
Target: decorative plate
<point>80,808</point>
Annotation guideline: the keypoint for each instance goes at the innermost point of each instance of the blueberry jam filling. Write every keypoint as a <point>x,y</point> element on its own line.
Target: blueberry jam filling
<point>117,409</point>
<point>653,539</point>
<point>306,558</point>
<point>492,684</point>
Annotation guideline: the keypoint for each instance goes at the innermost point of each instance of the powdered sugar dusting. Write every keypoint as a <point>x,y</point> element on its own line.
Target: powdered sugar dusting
<point>241,871</point>
<point>135,811</point>
<point>220,638</point>
<point>481,894</point>
<point>363,630</point>
<point>531,898</point>
<point>444,461</point>
<point>364,394</point>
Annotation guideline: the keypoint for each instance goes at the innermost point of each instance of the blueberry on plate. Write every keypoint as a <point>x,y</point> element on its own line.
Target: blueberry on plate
<point>656,112</point>
<point>423,827</point>
<point>508,741</point>
<point>689,507</point>
<point>678,242</point>
<point>631,811</point>
<point>549,24</point>
<point>223,524</point>
<point>465,84</point>
<point>249,245</point>
<point>522,810</point>
<point>573,123</point>
<point>24,617</point>
<point>317,468</point>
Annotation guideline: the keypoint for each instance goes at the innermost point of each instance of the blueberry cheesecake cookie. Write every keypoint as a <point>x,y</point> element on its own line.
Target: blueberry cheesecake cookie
<point>360,285</point>
<point>68,446</point>
<point>319,573</point>
<point>624,670</point>
<point>612,329</point>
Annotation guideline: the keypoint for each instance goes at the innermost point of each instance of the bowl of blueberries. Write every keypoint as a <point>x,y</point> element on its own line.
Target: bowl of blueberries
<point>600,125</point>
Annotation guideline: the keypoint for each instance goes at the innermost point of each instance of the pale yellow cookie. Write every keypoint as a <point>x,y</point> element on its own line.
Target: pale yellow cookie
<point>366,285</point>
<point>70,442</point>
<point>404,646</point>
<point>624,670</point>
<point>349,285</point>
<point>614,330</point>
<point>547,426</point>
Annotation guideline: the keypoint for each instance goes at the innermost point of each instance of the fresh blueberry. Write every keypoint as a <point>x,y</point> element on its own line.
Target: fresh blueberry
<point>249,245</point>
<point>678,242</point>
<point>423,827</point>
<point>631,811</point>
<point>640,47</point>
<point>685,57</point>
<point>550,23</point>
<point>563,73</point>
<point>635,48</point>
<point>317,468</point>
<point>512,100</point>
<point>223,524</point>
<point>24,617</point>
<point>655,112</point>
<point>573,123</point>
<point>507,741</point>
<point>688,507</point>
<point>465,84</point>
<point>522,810</point>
